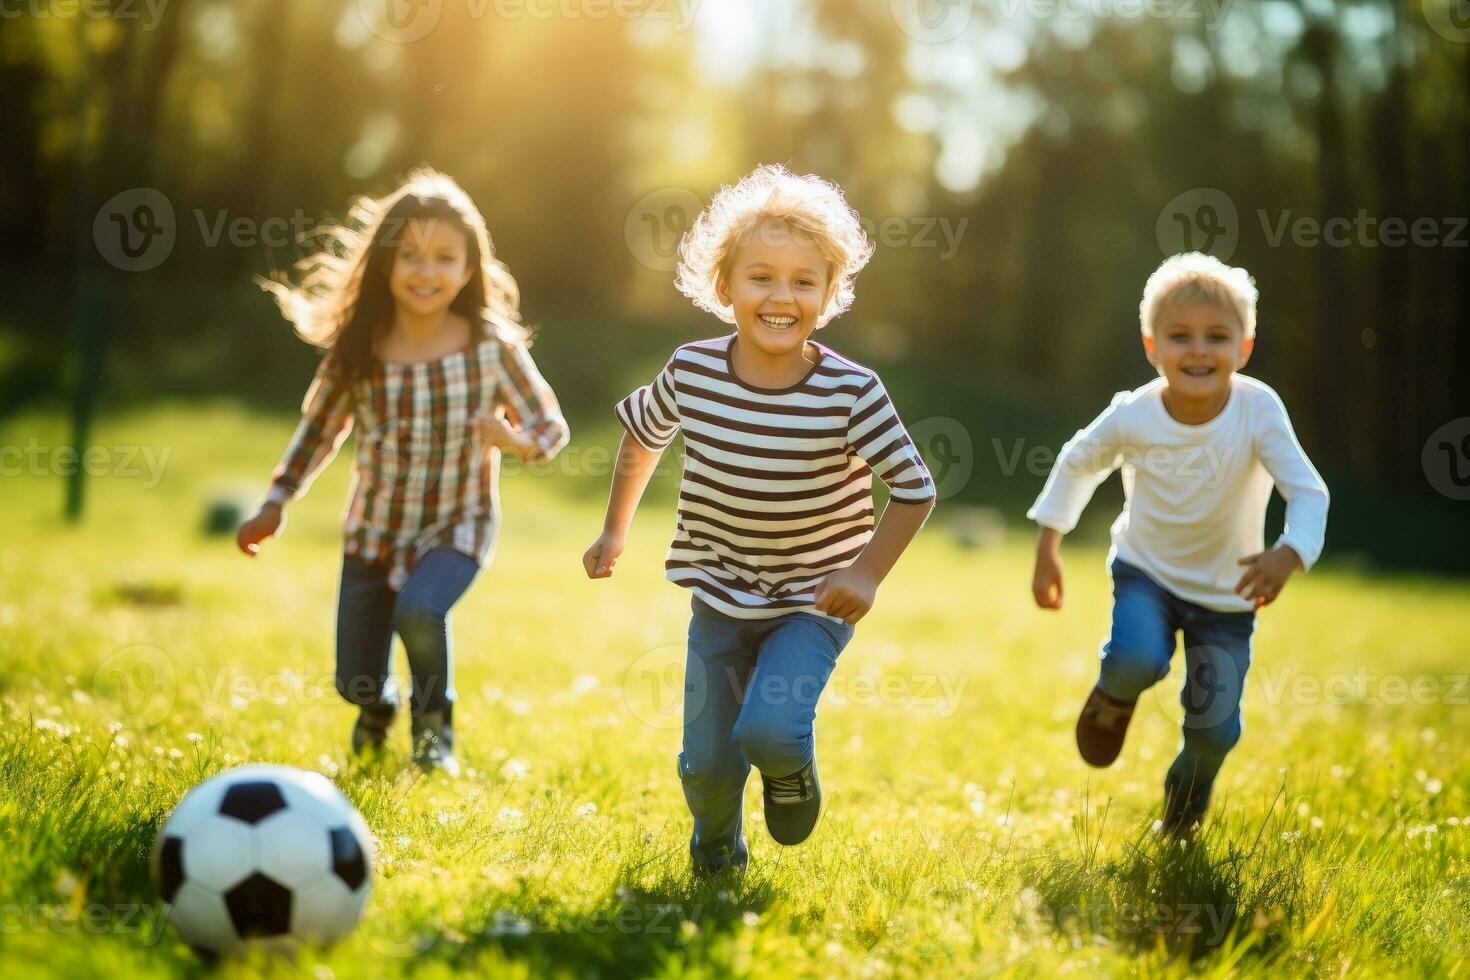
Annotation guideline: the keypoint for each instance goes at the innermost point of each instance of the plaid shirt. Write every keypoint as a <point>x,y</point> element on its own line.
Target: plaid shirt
<point>421,479</point>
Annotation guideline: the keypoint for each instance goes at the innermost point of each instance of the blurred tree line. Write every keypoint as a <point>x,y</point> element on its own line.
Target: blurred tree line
<point>1023,177</point>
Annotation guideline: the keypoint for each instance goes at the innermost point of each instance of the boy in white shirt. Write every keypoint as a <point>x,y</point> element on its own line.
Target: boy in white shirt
<point>1200,448</point>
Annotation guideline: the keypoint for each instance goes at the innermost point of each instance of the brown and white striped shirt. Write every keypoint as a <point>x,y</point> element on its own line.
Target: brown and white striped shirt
<point>421,478</point>
<point>777,485</point>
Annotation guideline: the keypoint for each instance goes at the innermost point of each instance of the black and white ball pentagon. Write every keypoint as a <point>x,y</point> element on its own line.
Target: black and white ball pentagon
<point>263,854</point>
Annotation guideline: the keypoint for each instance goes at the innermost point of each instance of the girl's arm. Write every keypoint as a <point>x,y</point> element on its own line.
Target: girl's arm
<point>630,478</point>
<point>326,418</point>
<point>537,430</point>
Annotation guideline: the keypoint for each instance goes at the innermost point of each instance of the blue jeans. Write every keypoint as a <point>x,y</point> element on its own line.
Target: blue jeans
<point>1217,654</point>
<point>369,613</point>
<point>750,699</point>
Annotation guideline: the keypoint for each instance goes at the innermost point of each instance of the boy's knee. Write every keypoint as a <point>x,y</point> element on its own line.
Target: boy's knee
<point>706,774</point>
<point>771,746</point>
<point>360,689</point>
<point>1128,671</point>
<point>412,620</point>
<point>1215,740</point>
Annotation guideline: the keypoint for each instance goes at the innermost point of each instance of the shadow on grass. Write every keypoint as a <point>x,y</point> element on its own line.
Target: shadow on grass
<point>1230,886</point>
<point>642,923</point>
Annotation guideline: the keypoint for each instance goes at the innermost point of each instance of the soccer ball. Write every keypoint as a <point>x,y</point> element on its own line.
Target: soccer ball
<point>263,854</point>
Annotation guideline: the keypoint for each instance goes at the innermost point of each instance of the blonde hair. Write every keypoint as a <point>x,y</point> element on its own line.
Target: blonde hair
<point>1193,277</point>
<point>812,208</point>
<point>338,298</point>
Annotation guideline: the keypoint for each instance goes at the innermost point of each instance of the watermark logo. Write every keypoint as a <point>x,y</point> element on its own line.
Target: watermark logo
<point>400,21</point>
<point>656,224</point>
<point>401,905</point>
<point>932,21</point>
<point>405,457</point>
<point>660,692</point>
<point>948,451</point>
<point>1446,459</point>
<point>1450,19</point>
<point>140,681</point>
<point>115,10</point>
<point>1203,219</point>
<point>135,230</point>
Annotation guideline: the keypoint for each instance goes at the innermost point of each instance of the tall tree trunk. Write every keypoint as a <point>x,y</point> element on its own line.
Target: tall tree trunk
<point>1337,331</point>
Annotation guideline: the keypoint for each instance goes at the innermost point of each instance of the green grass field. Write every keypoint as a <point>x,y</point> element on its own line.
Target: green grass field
<point>962,834</point>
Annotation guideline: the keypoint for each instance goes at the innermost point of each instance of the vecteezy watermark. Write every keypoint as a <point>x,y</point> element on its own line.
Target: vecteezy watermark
<point>139,685</point>
<point>148,11</point>
<point>141,681</point>
<point>1450,19</point>
<point>145,920</point>
<point>663,692</point>
<point>657,221</point>
<point>1203,219</point>
<point>1108,920</point>
<point>121,462</point>
<point>1206,463</point>
<point>932,21</point>
<point>658,691</point>
<point>1211,12</point>
<point>948,451</point>
<point>1215,684</point>
<point>406,21</point>
<point>1446,459</point>
<point>630,916</point>
<point>402,904</point>
<point>135,230</point>
<point>1362,231</point>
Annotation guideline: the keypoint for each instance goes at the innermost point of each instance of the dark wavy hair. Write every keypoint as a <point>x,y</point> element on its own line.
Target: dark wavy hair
<point>338,297</point>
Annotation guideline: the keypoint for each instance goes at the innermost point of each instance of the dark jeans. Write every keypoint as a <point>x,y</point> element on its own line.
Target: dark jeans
<point>369,613</point>
<point>1217,654</point>
<point>750,699</point>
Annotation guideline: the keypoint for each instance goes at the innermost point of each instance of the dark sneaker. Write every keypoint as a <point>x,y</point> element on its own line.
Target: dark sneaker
<point>1182,817</point>
<point>1101,727</point>
<point>793,804</point>
<point>370,733</point>
<point>433,743</point>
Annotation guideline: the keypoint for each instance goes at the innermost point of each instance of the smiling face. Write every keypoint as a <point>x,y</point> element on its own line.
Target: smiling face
<point>778,283</point>
<point>1197,347</point>
<point>431,266</point>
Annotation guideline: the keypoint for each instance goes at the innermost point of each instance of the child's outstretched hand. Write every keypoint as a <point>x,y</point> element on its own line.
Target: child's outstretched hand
<point>268,522</point>
<point>1266,573</point>
<point>847,593</point>
<point>600,558</point>
<point>1046,580</point>
<point>493,430</point>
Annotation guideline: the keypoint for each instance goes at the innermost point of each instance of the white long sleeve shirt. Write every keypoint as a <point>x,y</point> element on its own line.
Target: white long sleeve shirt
<point>1196,495</point>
